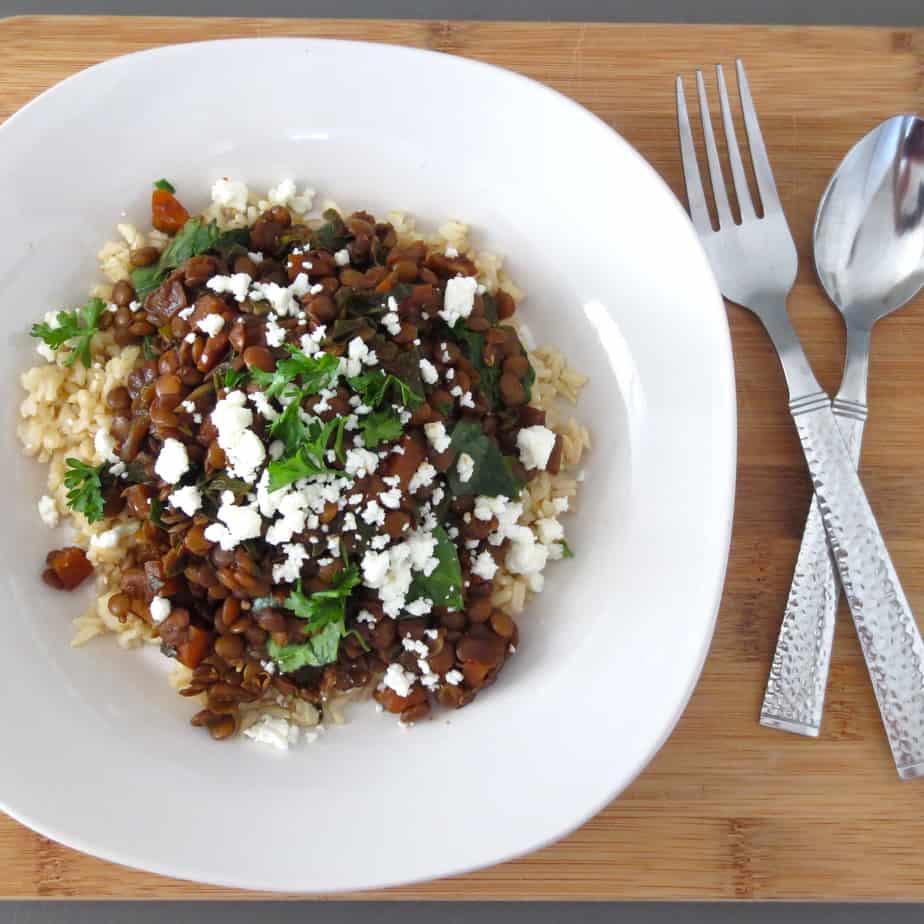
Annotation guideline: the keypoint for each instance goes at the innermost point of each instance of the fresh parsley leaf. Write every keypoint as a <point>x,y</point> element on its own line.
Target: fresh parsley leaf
<point>289,426</point>
<point>165,184</point>
<point>444,584</point>
<point>84,488</point>
<point>333,234</point>
<point>325,612</point>
<point>379,427</point>
<point>565,549</point>
<point>75,328</point>
<point>232,378</point>
<point>323,606</point>
<point>528,381</point>
<point>191,240</point>
<point>492,475</point>
<point>372,387</point>
<point>310,458</point>
<point>312,374</point>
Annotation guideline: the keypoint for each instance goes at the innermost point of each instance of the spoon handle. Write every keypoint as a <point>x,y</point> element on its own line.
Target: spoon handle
<point>892,645</point>
<point>795,695</point>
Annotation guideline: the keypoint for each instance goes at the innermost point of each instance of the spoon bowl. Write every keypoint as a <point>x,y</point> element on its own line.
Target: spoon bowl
<point>869,231</point>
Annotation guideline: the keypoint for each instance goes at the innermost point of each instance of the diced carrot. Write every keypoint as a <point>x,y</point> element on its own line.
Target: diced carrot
<point>167,214</point>
<point>70,566</point>
<point>195,648</point>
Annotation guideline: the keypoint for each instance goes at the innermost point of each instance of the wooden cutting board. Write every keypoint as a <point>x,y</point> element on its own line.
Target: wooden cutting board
<point>727,809</point>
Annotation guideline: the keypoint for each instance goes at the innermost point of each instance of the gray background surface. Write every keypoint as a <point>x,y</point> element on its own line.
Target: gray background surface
<point>805,12</point>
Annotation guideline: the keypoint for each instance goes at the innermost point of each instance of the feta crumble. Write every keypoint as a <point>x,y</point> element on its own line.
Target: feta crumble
<point>459,299</point>
<point>535,445</point>
<point>172,461</point>
<point>48,511</point>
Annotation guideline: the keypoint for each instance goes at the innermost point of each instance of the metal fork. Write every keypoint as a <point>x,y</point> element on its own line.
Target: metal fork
<point>755,263</point>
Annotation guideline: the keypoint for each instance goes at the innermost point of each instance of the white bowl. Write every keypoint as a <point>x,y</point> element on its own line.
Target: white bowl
<point>98,753</point>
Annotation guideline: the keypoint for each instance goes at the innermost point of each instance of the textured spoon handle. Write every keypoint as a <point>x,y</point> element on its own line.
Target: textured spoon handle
<point>889,636</point>
<point>795,696</point>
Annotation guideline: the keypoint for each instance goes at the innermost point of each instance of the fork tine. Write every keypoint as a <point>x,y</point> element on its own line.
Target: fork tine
<point>739,177</point>
<point>712,156</point>
<point>766,185</point>
<point>696,197</point>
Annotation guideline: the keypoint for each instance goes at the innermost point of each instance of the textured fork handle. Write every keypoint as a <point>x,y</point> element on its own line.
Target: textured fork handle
<point>795,696</point>
<point>889,636</point>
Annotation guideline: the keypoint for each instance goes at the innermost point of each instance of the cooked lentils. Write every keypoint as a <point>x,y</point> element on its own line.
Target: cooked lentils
<point>214,626</point>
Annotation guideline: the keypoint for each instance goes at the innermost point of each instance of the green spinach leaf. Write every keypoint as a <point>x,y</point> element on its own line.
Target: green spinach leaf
<point>444,584</point>
<point>492,475</point>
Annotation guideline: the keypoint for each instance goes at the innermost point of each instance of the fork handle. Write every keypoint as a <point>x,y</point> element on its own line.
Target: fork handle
<point>795,695</point>
<point>889,636</point>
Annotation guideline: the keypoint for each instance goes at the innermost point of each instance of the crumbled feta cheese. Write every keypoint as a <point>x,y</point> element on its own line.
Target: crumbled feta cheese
<point>358,355</point>
<point>187,406</point>
<point>450,375</point>
<point>465,465</point>
<point>428,372</point>
<point>188,499</point>
<point>437,436</point>
<point>484,566</point>
<point>230,194</point>
<point>48,511</point>
<point>272,730</point>
<point>263,406</point>
<point>293,511</point>
<point>535,445</point>
<point>525,555</point>
<point>160,609</point>
<point>237,285</point>
<point>560,504</point>
<point>360,462</point>
<point>373,514</point>
<point>459,299</point>
<point>379,542</point>
<point>244,449</point>
<point>211,324</point>
<point>275,335</point>
<point>366,617</point>
<point>184,313</point>
<point>237,523</point>
<point>342,257</point>
<point>285,194</point>
<point>412,645</point>
<point>451,252</point>
<point>289,571</point>
<point>398,679</point>
<point>454,677</point>
<point>255,255</point>
<point>466,400</point>
<point>391,498</point>
<point>190,338</point>
<point>549,530</point>
<point>104,445</point>
<point>422,478</point>
<point>172,461</point>
<point>391,323</point>
<point>419,607</point>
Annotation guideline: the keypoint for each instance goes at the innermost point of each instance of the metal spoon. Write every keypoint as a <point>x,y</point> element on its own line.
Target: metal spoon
<point>869,256</point>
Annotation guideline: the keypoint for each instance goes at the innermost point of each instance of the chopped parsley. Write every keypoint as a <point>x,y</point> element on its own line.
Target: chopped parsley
<point>380,427</point>
<point>372,387</point>
<point>312,374</point>
<point>165,185</point>
<point>310,457</point>
<point>84,488</point>
<point>565,549</point>
<point>75,328</point>
<point>325,614</point>
<point>191,240</point>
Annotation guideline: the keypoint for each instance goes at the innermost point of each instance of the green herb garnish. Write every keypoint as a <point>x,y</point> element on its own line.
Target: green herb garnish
<point>444,583</point>
<point>233,378</point>
<point>565,549</point>
<point>312,374</point>
<point>380,427</point>
<point>165,184</point>
<point>325,612</point>
<point>372,387</point>
<point>289,426</point>
<point>74,327</point>
<point>84,488</point>
<point>310,458</point>
<point>492,475</point>
<point>147,348</point>
<point>191,240</point>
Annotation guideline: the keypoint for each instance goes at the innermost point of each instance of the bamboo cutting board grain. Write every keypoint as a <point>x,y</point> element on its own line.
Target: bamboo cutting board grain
<point>727,809</point>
